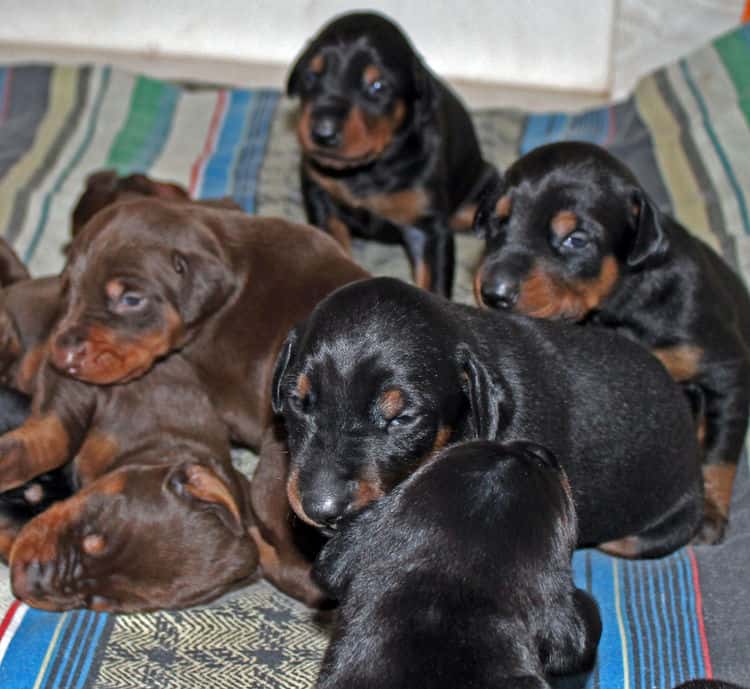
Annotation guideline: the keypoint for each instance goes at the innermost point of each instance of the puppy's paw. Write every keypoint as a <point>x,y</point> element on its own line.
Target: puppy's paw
<point>712,527</point>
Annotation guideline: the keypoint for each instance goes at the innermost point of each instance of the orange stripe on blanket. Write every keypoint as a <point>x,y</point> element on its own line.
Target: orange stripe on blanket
<point>746,12</point>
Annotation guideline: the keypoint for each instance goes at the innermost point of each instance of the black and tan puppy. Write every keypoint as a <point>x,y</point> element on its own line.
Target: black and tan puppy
<point>383,374</point>
<point>389,152</point>
<point>461,577</point>
<point>572,235</point>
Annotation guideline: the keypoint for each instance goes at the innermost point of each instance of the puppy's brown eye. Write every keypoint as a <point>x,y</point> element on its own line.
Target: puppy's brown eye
<point>94,544</point>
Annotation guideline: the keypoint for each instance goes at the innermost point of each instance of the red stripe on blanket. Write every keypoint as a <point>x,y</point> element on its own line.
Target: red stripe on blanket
<point>208,147</point>
<point>708,671</point>
<point>8,617</point>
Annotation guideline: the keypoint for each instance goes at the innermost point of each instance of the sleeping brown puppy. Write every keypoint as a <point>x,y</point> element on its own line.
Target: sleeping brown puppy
<point>571,235</point>
<point>160,518</point>
<point>146,278</point>
<point>389,152</point>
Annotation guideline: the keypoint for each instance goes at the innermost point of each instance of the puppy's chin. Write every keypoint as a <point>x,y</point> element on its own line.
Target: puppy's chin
<point>339,163</point>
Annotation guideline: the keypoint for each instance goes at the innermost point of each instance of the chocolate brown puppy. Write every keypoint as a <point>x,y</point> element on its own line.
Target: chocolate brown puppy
<point>160,519</point>
<point>382,375</point>
<point>389,151</point>
<point>571,235</point>
<point>460,577</point>
<point>146,278</point>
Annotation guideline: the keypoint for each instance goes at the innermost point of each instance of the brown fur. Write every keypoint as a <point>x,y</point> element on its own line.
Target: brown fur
<point>391,403</point>
<point>682,361</point>
<point>545,296</point>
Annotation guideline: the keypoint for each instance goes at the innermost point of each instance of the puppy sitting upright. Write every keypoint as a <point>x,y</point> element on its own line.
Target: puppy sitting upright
<point>461,578</point>
<point>572,235</point>
<point>389,152</point>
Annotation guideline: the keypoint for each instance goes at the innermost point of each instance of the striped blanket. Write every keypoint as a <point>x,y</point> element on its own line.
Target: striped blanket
<point>686,133</point>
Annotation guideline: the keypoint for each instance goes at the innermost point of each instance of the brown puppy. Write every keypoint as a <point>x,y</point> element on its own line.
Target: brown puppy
<point>161,519</point>
<point>148,277</point>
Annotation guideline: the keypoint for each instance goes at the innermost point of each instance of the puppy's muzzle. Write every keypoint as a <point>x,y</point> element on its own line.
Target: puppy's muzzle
<point>325,509</point>
<point>325,131</point>
<point>499,291</point>
<point>70,349</point>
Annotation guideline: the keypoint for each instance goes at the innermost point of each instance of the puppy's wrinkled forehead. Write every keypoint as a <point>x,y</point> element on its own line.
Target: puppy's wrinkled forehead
<point>129,233</point>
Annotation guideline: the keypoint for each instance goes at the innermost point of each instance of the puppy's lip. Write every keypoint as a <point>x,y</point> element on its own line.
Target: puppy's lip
<point>328,159</point>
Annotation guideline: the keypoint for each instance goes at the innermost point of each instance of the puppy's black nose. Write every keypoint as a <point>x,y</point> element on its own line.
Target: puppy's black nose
<point>325,509</point>
<point>500,293</point>
<point>325,131</point>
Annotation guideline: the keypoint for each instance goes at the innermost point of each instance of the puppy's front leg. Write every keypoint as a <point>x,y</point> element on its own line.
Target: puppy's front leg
<point>321,212</point>
<point>53,432</point>
<point>430,247</point>
<point>726,388</point>
<point>281,560</point>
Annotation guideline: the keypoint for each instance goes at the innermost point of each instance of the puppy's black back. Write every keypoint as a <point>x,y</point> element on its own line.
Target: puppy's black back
<point>620,426</point>
<point>452,579</point>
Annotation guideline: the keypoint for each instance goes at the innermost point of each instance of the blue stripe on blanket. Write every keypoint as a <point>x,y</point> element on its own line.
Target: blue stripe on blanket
<point>220,165</point>
<point>252,149</point>
<point>650,635</point>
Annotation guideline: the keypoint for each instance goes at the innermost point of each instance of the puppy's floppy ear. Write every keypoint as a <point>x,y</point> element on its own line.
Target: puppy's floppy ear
<point>204,489</point>
<point>206,282</point>
<point>12,269</point>
<point>492,190</point>
<point>106,180</point>
<point>650,243</point>
<point>533,451</point>
<point>489,398</point>
<point>427,95</point>
<point>295,75</point>
<point>280,368</point>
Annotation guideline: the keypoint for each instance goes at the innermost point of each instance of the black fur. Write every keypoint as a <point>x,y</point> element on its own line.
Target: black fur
<point>665,288</point>
<point>618,424</point>
<point>431,148</point>
<point>460,577</point>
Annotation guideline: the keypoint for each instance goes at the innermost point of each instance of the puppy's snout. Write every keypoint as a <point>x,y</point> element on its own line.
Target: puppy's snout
<point>29,578</point>
<point>326,131</point>
<point>500,291</point>
<point>325,509</point>
<point>70,347</point>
